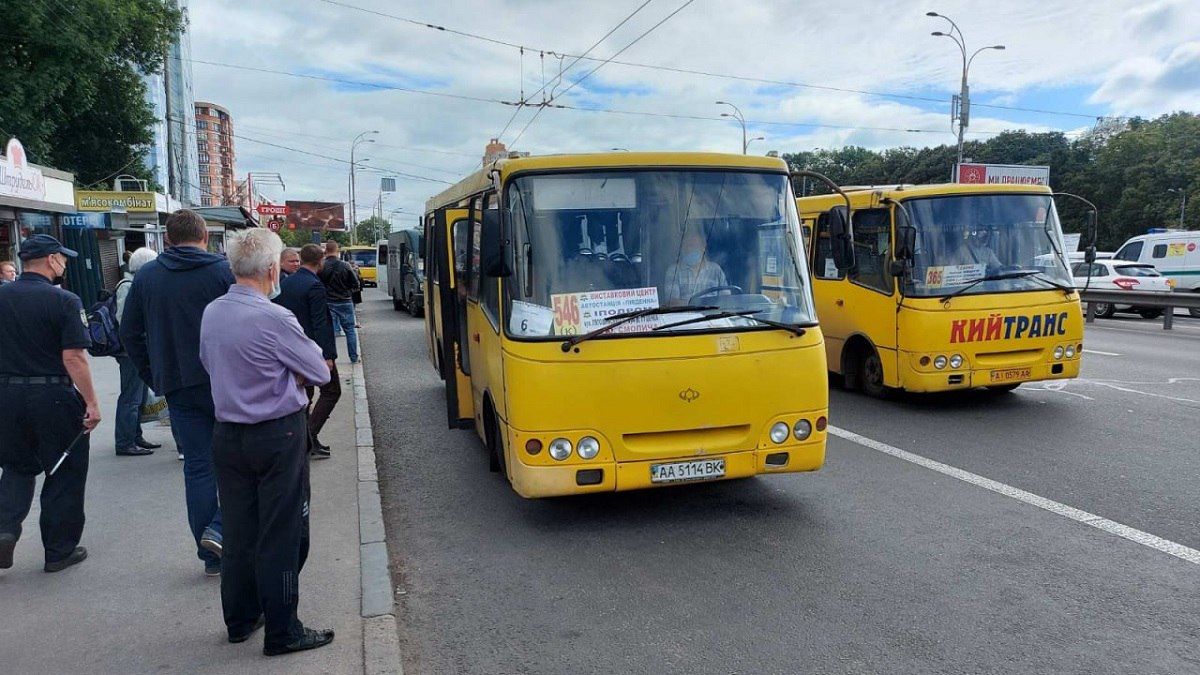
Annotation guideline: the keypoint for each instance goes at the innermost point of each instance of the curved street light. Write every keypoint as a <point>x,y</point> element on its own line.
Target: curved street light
<point>359,139</point>
<point>964,96</point>
<point>737,115</point>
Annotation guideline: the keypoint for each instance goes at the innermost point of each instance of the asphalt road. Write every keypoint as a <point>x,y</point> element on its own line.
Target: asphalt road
<point>871,565</point>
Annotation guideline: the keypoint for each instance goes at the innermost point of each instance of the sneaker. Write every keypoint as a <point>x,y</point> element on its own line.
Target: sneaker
<point>135,451</point>
<point>310,639</point>
<point>8,543</point>
<point>211,541</point>
<point>77,556</point>
<point>213,570</point>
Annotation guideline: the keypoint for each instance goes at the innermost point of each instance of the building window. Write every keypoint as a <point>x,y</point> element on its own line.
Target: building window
<point>201,124</point>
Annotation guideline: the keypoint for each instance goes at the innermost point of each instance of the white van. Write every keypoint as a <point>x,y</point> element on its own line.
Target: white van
<point>1174,253</point>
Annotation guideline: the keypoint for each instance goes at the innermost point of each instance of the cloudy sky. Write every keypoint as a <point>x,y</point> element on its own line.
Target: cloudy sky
<point>302,78</point>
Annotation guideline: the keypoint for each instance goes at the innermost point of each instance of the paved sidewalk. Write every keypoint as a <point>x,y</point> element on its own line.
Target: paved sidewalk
<point>140,603</point>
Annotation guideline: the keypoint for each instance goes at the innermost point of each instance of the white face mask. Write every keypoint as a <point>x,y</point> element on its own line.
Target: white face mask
<point>275,289</point>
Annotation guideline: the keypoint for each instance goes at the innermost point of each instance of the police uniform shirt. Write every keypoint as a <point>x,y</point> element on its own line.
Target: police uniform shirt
<point>38,322</point>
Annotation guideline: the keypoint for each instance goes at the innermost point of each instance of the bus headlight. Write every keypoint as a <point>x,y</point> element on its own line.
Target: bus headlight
<point>1058,352</point>
<point>588,447</point>
<point>939,362</point>
<point>956,361</point>
<point>802,430</point>
<point>779,432</point>
<point>1070,352</point>
<point>560,449</point>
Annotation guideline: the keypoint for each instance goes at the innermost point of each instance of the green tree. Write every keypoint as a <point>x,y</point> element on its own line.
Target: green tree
<point>70,81</point>
<point>371,230</point>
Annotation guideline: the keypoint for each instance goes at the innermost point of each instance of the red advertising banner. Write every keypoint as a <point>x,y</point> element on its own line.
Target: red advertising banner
<point>272,209</point>
<point>1004,174</point>
<point>329,216</point>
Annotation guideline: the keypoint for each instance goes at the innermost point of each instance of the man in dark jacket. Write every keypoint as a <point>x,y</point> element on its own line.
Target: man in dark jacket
<point>340,284</point>
<point>304,294</point>
<point>160,330</point>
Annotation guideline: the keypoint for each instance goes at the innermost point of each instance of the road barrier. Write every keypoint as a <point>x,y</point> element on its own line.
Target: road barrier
<point>1167,302</point>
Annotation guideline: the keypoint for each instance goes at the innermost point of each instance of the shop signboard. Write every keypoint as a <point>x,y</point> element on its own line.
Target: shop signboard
<point>17,178</point>
<point>86,221</point>
<point>328,216</point>
<point>272,209</point>
<point>131,202</point>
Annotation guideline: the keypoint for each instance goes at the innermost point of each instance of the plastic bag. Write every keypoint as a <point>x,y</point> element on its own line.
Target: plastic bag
<point>154,409</point>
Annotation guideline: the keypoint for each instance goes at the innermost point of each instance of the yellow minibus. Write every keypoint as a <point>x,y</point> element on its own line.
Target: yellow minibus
<point>945,287</point>
<point>627,320</point>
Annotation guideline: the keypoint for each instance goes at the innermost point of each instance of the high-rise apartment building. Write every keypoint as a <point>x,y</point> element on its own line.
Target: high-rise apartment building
<point>214,143</point>
<point>171,157</point>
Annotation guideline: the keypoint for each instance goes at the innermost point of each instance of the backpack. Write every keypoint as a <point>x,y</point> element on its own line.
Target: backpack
<point>103,325</point>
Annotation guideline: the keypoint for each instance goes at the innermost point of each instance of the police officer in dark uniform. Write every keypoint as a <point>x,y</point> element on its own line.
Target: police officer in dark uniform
<point>46,401</point>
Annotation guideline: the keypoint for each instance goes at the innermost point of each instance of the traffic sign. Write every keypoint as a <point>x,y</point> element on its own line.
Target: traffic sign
<point>274,225</point>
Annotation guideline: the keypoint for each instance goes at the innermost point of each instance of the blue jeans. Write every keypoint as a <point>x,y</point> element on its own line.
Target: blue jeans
<point>192,420</point>
<point>343,317</point>
<point>129,404</point>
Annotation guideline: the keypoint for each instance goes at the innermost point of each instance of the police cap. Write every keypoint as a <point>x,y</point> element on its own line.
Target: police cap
<point>42,245</point>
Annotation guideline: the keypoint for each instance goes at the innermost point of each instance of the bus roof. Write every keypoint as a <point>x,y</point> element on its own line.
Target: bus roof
<point>478,181</point>
<point>866,196</point>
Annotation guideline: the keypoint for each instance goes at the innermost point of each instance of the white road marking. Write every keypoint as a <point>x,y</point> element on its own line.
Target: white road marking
<point>1058,387</point>
<point>1097,351</point>
<point>1124,531</point>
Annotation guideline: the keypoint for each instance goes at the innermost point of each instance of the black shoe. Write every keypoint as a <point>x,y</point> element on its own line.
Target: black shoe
<point>318,444</point>
<point>319,452</point>
<point>135,451</point>
<point>212,569</point>
<point>8,543</point>
<point>77,556</point>
<point>258,623</point>
<point>143,443</point>
<point>312,639</point>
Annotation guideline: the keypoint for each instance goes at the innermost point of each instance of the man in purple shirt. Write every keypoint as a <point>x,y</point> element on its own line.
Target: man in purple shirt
<point>258,361</point>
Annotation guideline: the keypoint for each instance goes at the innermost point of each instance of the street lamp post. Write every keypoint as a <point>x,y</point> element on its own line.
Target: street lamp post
<point>1182,203</point>
<point>353,213</point>
<point>737,115</point>
<point>964,95</point>
<point>756,138</point>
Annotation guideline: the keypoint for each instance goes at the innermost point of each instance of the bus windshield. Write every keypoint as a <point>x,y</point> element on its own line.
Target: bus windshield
<point>363,258</point>
<point>962,239</point>
<point>593,245</point>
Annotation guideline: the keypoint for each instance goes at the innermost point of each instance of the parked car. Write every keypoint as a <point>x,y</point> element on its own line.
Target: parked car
<point>1122,275</point>
<point>1174,253</point>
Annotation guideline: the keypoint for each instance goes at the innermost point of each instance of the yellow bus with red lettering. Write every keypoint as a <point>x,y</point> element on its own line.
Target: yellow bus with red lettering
<point>949,287</point>
<point>627,320</point>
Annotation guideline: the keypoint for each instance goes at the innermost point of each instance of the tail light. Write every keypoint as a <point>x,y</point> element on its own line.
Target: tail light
<point>1125,283</point>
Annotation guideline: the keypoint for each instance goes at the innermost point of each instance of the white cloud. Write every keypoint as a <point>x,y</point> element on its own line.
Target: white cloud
<point>877,45</point>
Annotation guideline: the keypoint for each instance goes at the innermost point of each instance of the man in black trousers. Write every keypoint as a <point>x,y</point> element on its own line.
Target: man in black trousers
<point>304,294</point>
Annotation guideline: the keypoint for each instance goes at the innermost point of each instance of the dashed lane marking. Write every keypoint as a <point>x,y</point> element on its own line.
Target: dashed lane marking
<point>1124,531</point>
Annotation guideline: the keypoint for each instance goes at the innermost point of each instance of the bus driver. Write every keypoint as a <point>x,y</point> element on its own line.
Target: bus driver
<point>693,273</point>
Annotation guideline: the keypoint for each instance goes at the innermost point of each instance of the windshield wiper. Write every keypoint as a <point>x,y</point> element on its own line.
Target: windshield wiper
<point>748,314</point>
<point>1003,276</point>
<point>626,317</point>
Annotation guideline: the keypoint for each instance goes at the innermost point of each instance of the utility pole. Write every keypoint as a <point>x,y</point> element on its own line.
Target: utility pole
<point>1182,204</point>
<point>353,213</point>
<point>737,115</point>
<point>961,104</point>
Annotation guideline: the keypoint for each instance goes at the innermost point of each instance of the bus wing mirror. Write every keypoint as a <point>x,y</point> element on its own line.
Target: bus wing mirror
<point>1091,229</point>
<point>841,238</point>
<point>491,245</point>
<point>1089,255</point>
<point>906,242</point>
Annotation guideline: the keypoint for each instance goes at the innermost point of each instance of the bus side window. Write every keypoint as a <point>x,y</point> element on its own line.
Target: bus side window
<point>1160,251</point>
<point>823,265</point>
<point>489,293</point>
<point>873,251</point>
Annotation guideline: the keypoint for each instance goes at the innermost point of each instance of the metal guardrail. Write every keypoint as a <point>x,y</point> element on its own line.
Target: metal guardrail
<point>1164,301</point>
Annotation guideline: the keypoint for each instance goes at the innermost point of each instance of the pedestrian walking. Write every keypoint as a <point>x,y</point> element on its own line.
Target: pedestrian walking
<point>128,418</point>
<point>289,262</point>
<point>304,294</point>
<point>259,444</point>
<point>48,407</point>
<point>340,284</point>
<point>8,272</point>
<point>160,331</point>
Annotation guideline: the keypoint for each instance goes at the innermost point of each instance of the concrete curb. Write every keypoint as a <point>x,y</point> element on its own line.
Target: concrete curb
<point>381,641</point>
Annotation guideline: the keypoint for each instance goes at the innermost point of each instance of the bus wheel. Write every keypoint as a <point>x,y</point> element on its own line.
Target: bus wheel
<point>396,304</point>
<point>495,445</point>
<point>412,306</point>
<point>870,375</point>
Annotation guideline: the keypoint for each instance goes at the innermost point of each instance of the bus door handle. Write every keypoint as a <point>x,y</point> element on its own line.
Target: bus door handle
<point>840,302</point>
<point>475,337</point>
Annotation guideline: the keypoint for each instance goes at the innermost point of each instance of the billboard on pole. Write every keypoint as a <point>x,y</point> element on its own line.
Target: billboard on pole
<point>1005,174</point>
<point>329,216</point>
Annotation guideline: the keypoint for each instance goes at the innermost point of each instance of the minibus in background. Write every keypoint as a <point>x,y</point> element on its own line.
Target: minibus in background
<point>381,266</point>
<point>627,320</point>
<point>363,258</point>
<point>406,271</point>
<point>950,287</point>
<point>1174,253</point>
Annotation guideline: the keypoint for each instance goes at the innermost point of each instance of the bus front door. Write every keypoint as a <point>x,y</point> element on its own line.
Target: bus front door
<point>451,232</point>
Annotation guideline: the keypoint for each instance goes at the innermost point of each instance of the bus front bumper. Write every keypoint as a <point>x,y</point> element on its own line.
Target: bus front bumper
<point>947,380</point>
<point>532,481</point>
